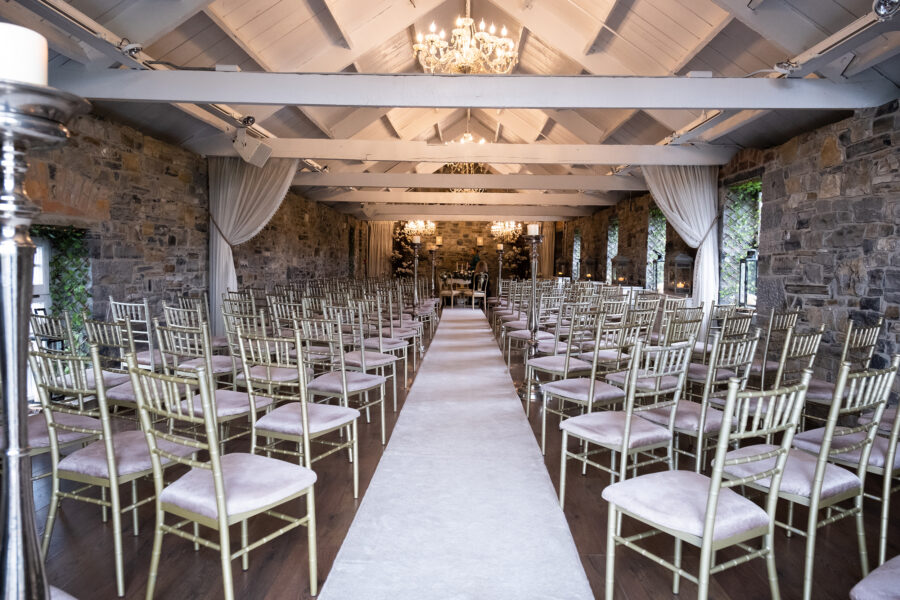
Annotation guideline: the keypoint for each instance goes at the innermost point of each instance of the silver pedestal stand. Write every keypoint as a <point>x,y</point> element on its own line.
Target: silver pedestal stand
<point>533,317</point>
<point>415,248</point>
<point>432,252</point>
<point>31,116</point>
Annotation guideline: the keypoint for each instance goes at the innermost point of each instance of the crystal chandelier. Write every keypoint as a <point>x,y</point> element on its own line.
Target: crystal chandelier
<point>506,231</point>
<point>419,228</point>
<point>469,51</point>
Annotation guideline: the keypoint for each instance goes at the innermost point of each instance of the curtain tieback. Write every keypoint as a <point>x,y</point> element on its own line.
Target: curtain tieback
<point>703,239</point>
<point>219,229</point>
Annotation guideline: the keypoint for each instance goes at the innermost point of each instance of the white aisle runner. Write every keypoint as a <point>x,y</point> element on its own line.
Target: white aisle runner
<point>461,506</point>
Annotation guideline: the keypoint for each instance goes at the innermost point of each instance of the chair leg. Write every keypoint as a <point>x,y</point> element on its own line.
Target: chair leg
<point>225,559</point>
<point>51,518</point>
<point>245,559</point>
<point>706,558</point>
<point>311,540</point>
<point>394,378</point>
<point>116,509</point>
<point>355,450</point>
<point>381,406</point>
<point>810,551</point>
<point>134,511</point>
<point>527,391</point>
<point>611,550</point>
<point>885,517</point>
<point>157,549</point>
<point>861,534</point>
<point>771,568</point>
<point>544,424</point>
<point>676,580</point>
<point>562,469</point>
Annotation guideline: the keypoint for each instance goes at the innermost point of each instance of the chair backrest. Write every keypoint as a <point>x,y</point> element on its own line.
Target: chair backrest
<point>322,344</point>
<point>53,332</point>
<point>779,323</point>
<point>855,394</point>
<point>479,282</point>
<point>662,372</point>
<point>185,315</point>
<point>859,344</point>
<point>159,398</point>
<point>61,378</point>
<point>138,313</point>
<point>749,416</point>
<point>114,340</point>
<point>680,329</point>
<point>797,355</point>
<point>732,354</point>
<point>177,344</point>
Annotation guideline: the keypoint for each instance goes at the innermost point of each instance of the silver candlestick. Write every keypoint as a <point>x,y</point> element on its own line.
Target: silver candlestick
<point>432,252</point>
<point>31,116</point>
<point>533,317</point>
<point>415,248</point>
<point>499,274</point>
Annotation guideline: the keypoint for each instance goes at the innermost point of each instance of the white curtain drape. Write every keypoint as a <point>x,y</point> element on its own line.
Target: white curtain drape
<point>548,230</point>
<point>242,199</point>
<point>381,245</point>
<point>688,195</point>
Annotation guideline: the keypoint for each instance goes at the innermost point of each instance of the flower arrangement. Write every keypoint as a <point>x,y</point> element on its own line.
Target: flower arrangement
<point>402,254</point>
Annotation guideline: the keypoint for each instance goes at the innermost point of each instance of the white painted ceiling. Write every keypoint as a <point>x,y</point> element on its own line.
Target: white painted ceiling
<point>730,38</point>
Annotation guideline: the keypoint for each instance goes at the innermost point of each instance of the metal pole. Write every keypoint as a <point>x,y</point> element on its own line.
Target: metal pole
<point>433,288</point>
<point>416,274</point>
<point>30,117</point>
<point>499,274</point>
<point>533,312</point>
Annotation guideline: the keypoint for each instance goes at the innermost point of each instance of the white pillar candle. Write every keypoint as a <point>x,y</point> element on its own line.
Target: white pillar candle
<point>417,239</point>
<point>23,55</point>
<point>439,240</point>
<point>499,246</point>
<point>479,241</point>
<point>534,229</point>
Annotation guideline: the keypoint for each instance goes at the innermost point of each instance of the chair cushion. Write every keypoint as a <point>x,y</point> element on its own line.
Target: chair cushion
<point>604,355</point>
<point>373,359</point>
<point>525,334</point>
<point>386,343</point>
<point>39,435</point>
<point>578,389</point>
<point>666,382</point>
<point>122,393</point>
<point>110,379</point>
<point>131,452</point>
<point>552,347</point>
<point>882,584</point>
<point>608,428</point>
<point>330,383</point>
<point>811,441</point>
<point>288,420</point>
<point>229,403</point>
<point>218,342</point>
<point>252,483</point>
<point>699,372</point>
<point>701,347</point>
<point>284,374</point>
<point>143,357</point>
<point>687,417</point>
<point>516,325</point>
<point>220,364</point>
<point>557,364</point>
<point>771,365</point>
<point>822,391</point>
<point>798,472</point>
<point>685,495</point>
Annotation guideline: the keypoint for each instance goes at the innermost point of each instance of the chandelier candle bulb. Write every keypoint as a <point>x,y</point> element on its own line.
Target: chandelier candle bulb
<point>534,229</point>
<point>23,55</point>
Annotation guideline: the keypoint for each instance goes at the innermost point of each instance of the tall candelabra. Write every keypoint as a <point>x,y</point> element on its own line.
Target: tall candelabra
<point>31,116</point>
<point>499,272</point>
<point>432,251</point>
<point>415,247</point>
<point>533,312</point>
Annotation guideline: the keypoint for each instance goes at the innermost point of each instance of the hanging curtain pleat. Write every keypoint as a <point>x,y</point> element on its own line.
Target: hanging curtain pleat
<point>242,199</point>
<point>381,244</point>
<point>548,230</point>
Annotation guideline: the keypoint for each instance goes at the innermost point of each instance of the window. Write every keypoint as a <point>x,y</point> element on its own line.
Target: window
<point>612,246</point>
<point>656,249</point>
<point>40,300</point>
<point>740,241</point>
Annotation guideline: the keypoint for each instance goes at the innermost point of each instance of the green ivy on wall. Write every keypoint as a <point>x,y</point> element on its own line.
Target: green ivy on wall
<point>740,233</point>
<point>70,272</point>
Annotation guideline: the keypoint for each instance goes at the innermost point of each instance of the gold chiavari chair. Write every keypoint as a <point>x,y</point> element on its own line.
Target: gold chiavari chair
<point>846,450</point>
<point>114,340</point>
<point>714,324</point>
<point>227,489</point>
<point>117,458</point>
<point>707,512</point>
<point>138,314</point>
<point>858,349</point>
<point>729,359</point>
<point>660,371</point>
<point>811,480</point>
<point>53,332</point>
<point>779,323</point>
<point>284,423</point>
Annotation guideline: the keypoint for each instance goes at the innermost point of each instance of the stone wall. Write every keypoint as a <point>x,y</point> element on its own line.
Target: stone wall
<point>828,242</point>
<point>303,240</point>
<point>143,203</point>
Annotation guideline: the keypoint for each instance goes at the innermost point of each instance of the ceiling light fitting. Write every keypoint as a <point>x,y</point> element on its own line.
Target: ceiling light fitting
<point>470,50</point>
<point>885,9</point>
<point>419,228</point>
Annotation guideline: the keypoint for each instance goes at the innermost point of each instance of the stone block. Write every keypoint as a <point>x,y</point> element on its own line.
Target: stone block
<point>868,146</point>
<point>830,155</point>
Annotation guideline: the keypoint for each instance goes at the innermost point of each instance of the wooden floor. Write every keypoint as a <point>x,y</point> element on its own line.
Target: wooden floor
<point>81,554</point>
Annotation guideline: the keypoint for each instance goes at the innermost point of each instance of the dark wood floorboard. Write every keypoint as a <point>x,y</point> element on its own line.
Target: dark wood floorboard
<point>80,560</point>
